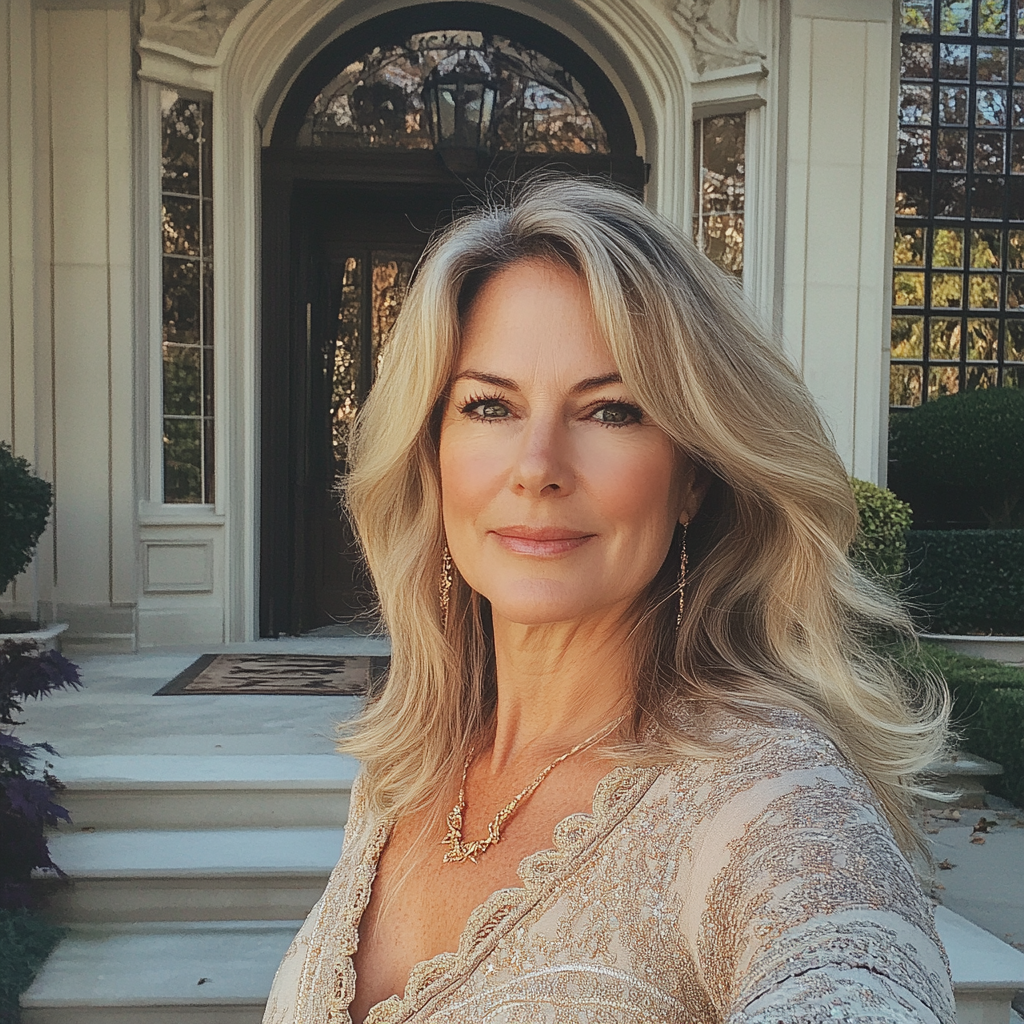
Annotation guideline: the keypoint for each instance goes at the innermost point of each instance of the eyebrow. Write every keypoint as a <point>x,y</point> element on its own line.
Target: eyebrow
<point>579,388</point>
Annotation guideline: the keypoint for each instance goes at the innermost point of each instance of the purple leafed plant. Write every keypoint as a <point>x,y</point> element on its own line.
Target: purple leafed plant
<point>27,804</point>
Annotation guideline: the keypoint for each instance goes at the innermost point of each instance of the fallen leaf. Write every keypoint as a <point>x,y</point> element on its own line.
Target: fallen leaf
<point>202,981</point>
<point>88,828</point>
<point>932,831</point>
<point>945,865</point>
<point>978,839</point>
<point>937,886</point>
<point>984,825</point>
<point>949,815</point>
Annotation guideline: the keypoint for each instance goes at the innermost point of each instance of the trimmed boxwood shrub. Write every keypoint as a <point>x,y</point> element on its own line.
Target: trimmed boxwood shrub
<point>968,581</point>
<point>881,544</point>
<point>988,711</point>
<point>24,508</point>
<point>959,460</point>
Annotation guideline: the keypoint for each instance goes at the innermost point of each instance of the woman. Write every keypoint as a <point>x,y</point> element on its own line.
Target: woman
<point>635,759</point>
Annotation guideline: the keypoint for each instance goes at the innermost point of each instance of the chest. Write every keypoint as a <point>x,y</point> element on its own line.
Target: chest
<point>419,905</point>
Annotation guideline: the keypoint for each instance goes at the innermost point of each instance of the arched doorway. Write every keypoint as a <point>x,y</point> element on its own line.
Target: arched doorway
<point>369,155</point>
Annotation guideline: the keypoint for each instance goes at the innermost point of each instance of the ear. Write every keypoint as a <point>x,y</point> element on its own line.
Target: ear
<point>696,481</point>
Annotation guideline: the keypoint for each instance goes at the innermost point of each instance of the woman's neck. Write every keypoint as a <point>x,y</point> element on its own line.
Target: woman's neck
<point>557,685</point>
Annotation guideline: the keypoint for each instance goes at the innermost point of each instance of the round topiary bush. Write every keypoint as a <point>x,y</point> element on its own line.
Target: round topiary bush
<point>881,544</point>
<point>25,502</point>
<point>959,460</point>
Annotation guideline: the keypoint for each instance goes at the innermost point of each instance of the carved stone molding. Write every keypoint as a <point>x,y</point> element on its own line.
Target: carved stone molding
<point>195,26</point>
<point>713,30</point>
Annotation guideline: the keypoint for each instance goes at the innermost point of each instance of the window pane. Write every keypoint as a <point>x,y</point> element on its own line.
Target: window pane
<point>955,17</point>
<point>943,380</point>
<point>989,156</point>
<point>1017,165</point>
<point>950,196</point>
<point>983,291</point>
<point>914,147</point>
<point>987,196</point>
<point>1014,341</point>
<point>347,357</point>
<point>908,250</point>
<point>993,64</point>
<point>990,108</point>
<point>948,247</point>
<point>916,60</point>
<point>1013,376</point>
<point>982,339</point>
<point>904,385</point>
<point>985,248</point>
<point>915,104</point>
<point>723,241</point>
<point>944,339</point>
<point>954,61</point>
<point>947,290</point>
<point>181,127</point>
<point>181,301</point>
<point>181,226</point>
<point>907,337</point>
<point>908,289</point>
<point>183,461</point>
<point>1015,250</point>
<point>981,377</point>
<point>952,151</point>
<point>1017,112</point>
<point>1015,291</point>
<point>182,380</point>
<point>994,18</point>
<point>917,15</point>
<point>912,194</point>
<point>953,104</point>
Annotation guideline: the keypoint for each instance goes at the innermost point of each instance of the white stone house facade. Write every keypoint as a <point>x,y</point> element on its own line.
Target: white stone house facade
<point>81,386</point>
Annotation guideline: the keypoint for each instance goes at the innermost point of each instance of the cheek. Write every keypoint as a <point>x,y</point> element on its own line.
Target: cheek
<point>471,471</point>
<point>637,485</point>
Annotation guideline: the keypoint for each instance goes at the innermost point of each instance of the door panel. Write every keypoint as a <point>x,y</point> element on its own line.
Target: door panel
<point>362,248</point>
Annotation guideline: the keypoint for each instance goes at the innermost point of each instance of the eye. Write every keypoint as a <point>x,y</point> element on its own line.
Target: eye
<point>617,414</point>
<point>486,409</point>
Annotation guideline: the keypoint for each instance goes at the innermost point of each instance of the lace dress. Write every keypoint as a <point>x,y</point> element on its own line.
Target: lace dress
<point>762,886</point>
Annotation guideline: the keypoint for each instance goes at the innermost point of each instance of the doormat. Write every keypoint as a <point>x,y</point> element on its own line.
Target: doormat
<point>285,674</point>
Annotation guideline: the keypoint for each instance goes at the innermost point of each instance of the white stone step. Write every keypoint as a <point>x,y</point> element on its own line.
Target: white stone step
<point>151,974</point>
<point>167,791</point>
<point>986,971</point>
<point>208,875</point>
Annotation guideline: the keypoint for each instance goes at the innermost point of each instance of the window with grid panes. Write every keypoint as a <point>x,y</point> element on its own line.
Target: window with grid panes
<point>958,278</point>
<point>187,319</point>
<point>719,147</point>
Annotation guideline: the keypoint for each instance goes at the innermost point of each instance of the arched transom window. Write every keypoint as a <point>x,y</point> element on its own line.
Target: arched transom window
<point>377,101</point>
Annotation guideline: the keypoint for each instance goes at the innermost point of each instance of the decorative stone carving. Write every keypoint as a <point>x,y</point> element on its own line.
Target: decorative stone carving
<point>196,26</point>
<point>712,27</point>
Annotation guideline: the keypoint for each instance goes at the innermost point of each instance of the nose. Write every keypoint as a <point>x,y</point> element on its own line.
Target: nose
<point>543,459</point>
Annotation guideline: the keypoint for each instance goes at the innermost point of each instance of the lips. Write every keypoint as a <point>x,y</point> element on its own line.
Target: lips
<point>546,540</point>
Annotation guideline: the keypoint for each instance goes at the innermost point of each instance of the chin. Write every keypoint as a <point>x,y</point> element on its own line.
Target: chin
<point>540,604</point>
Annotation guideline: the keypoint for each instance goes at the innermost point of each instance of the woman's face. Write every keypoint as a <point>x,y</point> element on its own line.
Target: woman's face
<point>560,497</point>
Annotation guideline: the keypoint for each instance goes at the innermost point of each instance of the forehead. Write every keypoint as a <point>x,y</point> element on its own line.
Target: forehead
<point>534,317</point>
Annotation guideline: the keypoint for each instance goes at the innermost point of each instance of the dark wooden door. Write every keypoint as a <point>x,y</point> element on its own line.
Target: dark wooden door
<point>356,252</point>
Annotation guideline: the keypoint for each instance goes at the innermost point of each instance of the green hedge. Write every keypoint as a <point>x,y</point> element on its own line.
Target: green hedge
<point>881,544</point>
<point>968,581</point>
<point>959,460</point>
<point>988,711</point>
<point>26,940</point>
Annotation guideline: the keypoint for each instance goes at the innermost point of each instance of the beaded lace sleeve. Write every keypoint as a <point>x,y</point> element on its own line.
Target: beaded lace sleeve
<point>811,911</point>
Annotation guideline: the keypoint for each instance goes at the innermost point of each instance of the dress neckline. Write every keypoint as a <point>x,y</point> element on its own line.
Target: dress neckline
<point>615,795</point>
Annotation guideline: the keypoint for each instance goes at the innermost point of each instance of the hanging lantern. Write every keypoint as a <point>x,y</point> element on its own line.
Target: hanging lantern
<point>460,101</point>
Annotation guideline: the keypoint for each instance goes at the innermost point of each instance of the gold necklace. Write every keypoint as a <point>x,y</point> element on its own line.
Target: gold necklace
<point>458,851</point>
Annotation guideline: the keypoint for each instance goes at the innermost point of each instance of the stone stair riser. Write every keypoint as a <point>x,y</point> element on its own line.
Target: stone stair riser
<point>262,897</point>
<point>165,808</point>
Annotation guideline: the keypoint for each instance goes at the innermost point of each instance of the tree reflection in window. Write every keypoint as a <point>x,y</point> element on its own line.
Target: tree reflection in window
<point>376,102</point>
<point>187,333</point>
<point>720,188</point>
<point>367,311</point>
<point>958,280</point>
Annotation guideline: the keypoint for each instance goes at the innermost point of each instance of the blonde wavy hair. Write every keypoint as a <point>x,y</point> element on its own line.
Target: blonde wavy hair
<point>775,614</point>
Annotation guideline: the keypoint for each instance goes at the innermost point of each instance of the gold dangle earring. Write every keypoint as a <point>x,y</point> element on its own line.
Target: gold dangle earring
<point>444,584</point>
<point>682,578</point>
